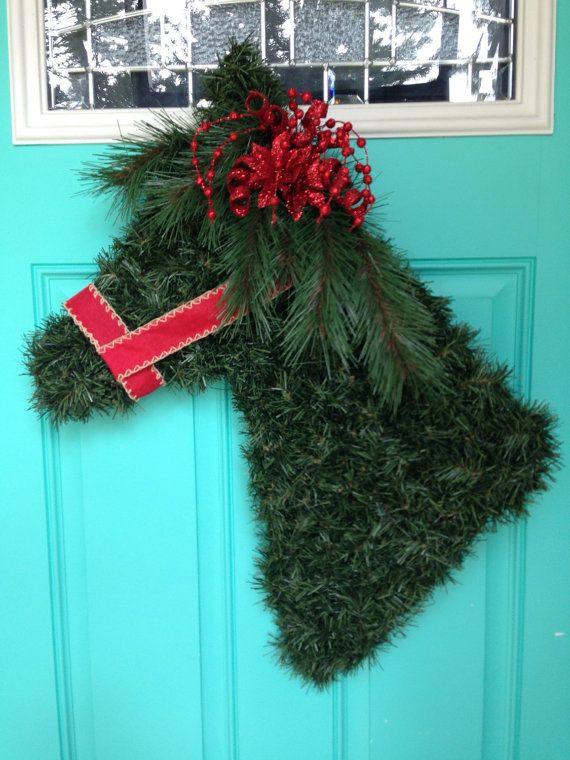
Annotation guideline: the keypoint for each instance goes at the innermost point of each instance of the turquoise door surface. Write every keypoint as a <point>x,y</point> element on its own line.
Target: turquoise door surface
<point>129,626</point>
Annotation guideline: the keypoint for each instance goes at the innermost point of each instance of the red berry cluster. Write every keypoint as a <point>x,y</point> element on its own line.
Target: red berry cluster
<point>294,169</point>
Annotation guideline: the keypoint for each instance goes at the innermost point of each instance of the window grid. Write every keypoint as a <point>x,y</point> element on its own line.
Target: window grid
<point>366,63</point>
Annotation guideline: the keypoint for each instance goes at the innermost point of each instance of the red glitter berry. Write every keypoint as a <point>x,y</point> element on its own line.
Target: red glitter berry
<point>208,192</point>
<point>211,175</point>
<point>371,199</point>
<point>367,169</point>
<point>330,123</point>
<point>217,154</point>
<point>306,97</point>
<point>361,142</point>
<point>367,179</point>
<point>212,215</point>
<point>299,113</point>
<point>348,126</point>
<point>194,144</point>
<point>325,210</point>
<point>234,115</point>
<point>359,167</point>
<point>292,92</point>
<point>205,126</point>
<point>293,105</point>
<point>234,136</point>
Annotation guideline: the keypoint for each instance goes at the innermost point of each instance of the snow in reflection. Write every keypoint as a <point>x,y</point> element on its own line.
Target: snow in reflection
<point>138,53</point>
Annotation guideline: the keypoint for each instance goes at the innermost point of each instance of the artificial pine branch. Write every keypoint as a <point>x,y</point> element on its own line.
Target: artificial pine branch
<point>346,302</point>
<point>395,336</point>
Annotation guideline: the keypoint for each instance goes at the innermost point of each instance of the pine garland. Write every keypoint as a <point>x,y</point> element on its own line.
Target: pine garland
<point>363,507</point>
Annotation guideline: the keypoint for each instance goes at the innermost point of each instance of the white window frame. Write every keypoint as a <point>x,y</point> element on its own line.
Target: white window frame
<point>531,112</point>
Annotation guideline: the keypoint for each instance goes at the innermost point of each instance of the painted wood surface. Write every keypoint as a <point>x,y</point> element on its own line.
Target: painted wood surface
<point>130,629</point>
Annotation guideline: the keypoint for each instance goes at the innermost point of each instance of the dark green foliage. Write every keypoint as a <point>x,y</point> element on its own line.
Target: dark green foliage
<point>353,298</point>
<point>362,511</point>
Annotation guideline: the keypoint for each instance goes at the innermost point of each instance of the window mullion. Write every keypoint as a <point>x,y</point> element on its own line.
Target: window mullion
<point>90,56</point>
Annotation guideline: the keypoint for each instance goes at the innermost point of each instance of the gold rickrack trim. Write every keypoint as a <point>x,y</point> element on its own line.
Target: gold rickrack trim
<point>165,318</point>
<point>124,382</point>
<point>108,308</point>
<point>99,348</point>
<point>173,349</point>
<point>90,337</point>
<point>129,392</point>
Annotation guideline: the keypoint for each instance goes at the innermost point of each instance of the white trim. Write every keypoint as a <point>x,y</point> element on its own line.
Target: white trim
<point>530,113</point>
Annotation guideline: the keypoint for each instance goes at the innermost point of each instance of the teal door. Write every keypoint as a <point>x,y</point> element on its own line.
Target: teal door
<point>130,629</point>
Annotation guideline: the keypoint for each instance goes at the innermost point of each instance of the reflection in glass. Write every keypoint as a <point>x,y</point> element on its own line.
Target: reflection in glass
<point>152,53</point>
<point>304,78</point>
<point>141,89</point>
<point>329,31</point>
<point>68,50</point>
<point>239,20</point>
<point>346,85</point>
<point>102,8</point>
<point>64,13</point>
<point>131,42</point>
<point>278,31</point>
<point>69,91</point>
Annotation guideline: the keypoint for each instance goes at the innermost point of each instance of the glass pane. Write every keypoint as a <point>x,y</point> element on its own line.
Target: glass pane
<point>346,85</point>
<point>329,31</point>
<point>278,28</point>
<point>419,34</point>
<point>157,89</point>
<point>130,42</point>
<point>489,7</point>
<point>490,81</point>
<point>67,51</point>
<point>304,79</point>
<point>61,14</point>
<point>214,25</point>
<point>68,91</point>
<point>104,8</point>
<point>401,84</point>
<point>176,38</point>
<point>198,89</point>
<point>493,40</point>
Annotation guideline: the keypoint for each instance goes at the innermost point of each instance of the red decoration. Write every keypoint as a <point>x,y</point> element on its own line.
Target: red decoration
<point>131,355</point>
<point>294,170</point>
<point>101,324</point>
